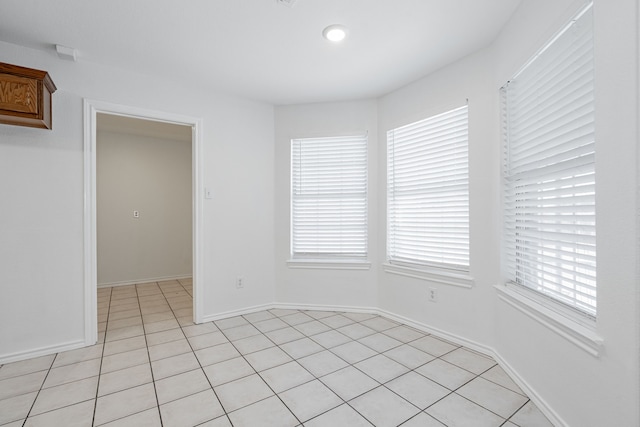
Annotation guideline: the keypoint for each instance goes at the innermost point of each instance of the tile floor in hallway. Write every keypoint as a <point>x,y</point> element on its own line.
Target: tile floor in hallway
<point>154,367</point>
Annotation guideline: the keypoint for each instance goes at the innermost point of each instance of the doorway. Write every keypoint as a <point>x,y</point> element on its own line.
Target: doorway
<point>92,111</point>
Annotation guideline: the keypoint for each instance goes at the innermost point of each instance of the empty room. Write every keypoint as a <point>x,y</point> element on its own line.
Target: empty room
<point>319,213</point>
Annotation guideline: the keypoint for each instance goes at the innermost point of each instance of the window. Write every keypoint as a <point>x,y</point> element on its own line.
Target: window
<point>549,175</point>
<point>329,198</point>
<point>428,192</point>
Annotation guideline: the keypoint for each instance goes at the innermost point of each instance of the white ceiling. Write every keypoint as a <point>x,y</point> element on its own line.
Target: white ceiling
<point>261,49</point>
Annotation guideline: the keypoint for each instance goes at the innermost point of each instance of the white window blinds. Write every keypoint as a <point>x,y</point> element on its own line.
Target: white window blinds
<point>428,192</point>
<point>329,197</point>
<point>549,176</point>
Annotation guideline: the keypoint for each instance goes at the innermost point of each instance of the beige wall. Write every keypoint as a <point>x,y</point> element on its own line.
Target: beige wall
<point>139,170</point>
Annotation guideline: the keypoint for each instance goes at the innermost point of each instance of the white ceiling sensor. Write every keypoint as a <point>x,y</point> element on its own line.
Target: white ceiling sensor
<point>289,3</point>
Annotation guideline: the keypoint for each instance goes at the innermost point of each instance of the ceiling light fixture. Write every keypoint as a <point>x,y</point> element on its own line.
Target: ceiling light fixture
<point>335,33</point>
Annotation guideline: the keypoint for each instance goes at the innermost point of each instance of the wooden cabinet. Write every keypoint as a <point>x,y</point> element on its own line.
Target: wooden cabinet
<point>25,96</point>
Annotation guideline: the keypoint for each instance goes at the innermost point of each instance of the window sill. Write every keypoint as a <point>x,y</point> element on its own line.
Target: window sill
<point>571,329</point>
<point>460,279</point>
<point>325,264</point>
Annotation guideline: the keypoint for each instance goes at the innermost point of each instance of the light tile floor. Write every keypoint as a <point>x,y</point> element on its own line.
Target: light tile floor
<point>154,367</point>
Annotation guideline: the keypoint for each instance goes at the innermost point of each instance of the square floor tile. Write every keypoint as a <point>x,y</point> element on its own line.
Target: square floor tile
<point>356,331</point>
<point>456,411</point>
<point>383,408</point>
<point>424,420</point>
<point>231,322</point>
<point>79,355</point>
<point>530,415</point>
<point>269,325</point>
<point>217,353</point>
<point>28,366</point>
<point>404,333</point>
<point>16,408</point>
<point>258,316</point>
<point>163,325</point>
<point>122,346</point>
<point>322,363</point>
<point>148,418</point>
<point>125,378</point>
<point>204,328</point>
<point>379,323</point>
<point>445,374</point>
<point>300,348</point>
<point>353,352</point>
<point>242,392</point>
<point>296,318</point>
<point>330,339</point>
<point>495,398</point>
<point>336,321</point>
<point>64,395</point>
<point>122,333</point>
<point>239,332</point>
<point>349,383</point>
<point>417,389</point>
<point>207,340</point>
<point>124,403</point>
<point>343,415</point>
<point>181,385</point>
<point>380,342</point>
<point>253,344</point>
<point>286,376</point>
<point>469,360</point>
<point>284,335</point>
<point>359,317</point>
<point>164,337</point>
<point>118,361</point>
<point>299,402</point>
<point>70,373</point>
<point>123,323</point>
<point>381,368</point>
<point>270,412</point>
<point>174,365</point>
<point>191,410</point>
<point>497,375</point>
<point>268,358</point>
<point>409,356</point>
<point>169,349</point>
<point>433,346</point>
<point>229,370</point>
<point>22,384</point>
<point>312,328</point>
<point>78,415</point>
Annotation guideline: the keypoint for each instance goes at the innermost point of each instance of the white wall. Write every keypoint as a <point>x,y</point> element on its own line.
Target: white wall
<point>41,183</point>
<point>153,176</point>
<point>323,287</point>
<point>578,389</point>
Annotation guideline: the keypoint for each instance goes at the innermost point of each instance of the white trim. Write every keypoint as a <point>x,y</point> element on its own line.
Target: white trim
<point>41,351</point>
<point>453,278</point>
<point>139,281</point>
<point>91,108</point>
<point>580,335</point>
<point>329,264</point>
<point>234,313</point>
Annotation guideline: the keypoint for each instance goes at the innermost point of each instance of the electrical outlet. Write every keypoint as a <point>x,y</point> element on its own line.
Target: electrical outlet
<point>136,214</point>
<point>239,282</point>
<point>433,294</point>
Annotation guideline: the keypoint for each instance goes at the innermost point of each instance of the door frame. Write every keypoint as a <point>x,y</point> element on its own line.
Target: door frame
<point>91,109</point>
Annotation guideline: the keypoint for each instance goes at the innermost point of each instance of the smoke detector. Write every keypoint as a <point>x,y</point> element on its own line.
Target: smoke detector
<point>289,3</point>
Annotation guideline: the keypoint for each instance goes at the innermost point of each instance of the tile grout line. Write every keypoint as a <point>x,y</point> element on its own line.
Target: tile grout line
<point>104,344</point>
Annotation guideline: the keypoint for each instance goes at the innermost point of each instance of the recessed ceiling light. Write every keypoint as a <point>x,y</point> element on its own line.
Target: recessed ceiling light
<point>335,33</point>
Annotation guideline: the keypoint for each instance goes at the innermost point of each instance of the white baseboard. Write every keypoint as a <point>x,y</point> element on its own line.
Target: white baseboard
<point>42,351</point>
<point>151,279</point>
<point>233,313</point>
